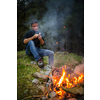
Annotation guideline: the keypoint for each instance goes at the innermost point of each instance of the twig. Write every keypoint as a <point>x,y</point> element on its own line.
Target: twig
<point>48,76</point>
<point>47,95</point>
<point>43,94</point>
<point>34,96</point>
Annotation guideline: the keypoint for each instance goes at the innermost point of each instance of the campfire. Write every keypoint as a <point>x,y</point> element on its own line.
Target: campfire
<point>63,80</point>
<point>64,83</point>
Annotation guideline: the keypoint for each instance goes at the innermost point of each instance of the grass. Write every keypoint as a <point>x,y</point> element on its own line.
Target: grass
<point>67,59</point>
<point>25,71</point>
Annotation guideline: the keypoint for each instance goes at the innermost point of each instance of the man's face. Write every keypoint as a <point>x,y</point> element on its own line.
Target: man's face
<point>35,26</point>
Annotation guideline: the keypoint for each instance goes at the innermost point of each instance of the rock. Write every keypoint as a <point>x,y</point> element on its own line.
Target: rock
<point>48,67</point>
<point>36,81</point>
<point>33,62</point>
<point>73,75</point>
<point>79,69</point>
<point>42,88</point>
<point>52,94</point>
<point>42,72</point>
<point>47,73</point>
<point>39,75</point>
<point>47,85</point>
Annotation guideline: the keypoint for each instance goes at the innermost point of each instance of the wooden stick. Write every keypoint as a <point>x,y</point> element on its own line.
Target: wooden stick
<point>34,96</point>
<point>43,94</point>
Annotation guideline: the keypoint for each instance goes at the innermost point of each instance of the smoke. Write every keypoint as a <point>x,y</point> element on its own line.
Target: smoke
<point>53,20</point>
<point>62,24</point>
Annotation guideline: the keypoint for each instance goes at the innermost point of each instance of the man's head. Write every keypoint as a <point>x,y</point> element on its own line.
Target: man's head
<point>34,25</point>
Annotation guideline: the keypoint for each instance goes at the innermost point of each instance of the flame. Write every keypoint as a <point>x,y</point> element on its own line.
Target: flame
<point>62,78</point>
<point>66,81</point>
<point>68,75</point>
<point>80,78</point>
<point>75,80</point>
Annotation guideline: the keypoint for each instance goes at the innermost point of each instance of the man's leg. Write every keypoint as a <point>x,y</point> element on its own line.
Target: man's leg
<point>49,53</point>
<point>32,50</point>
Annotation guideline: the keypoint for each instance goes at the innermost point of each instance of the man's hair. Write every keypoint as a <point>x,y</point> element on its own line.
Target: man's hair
<point>33,21</point>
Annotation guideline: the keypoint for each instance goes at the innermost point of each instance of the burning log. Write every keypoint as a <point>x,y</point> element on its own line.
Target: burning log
<point>75,90</point>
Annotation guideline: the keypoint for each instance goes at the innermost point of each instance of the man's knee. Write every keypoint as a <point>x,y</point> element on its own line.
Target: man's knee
<point>31,42</point>
<point>52,53</point>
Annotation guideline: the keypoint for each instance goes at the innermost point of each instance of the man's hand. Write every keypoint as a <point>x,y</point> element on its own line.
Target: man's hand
<point>36,35</point>
<point>39,37</point>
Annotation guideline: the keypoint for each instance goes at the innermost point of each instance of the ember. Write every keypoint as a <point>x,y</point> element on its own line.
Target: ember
<point>56,42</point>
<point>65,81</point>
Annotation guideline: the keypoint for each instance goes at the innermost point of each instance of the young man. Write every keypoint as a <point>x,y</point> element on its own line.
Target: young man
<point>32,40</point>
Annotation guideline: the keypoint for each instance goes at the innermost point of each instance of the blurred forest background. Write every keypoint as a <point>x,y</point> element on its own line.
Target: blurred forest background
<point>60,21</point>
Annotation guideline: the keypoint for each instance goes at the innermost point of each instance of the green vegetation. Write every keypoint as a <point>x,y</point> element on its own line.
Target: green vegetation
<point>25,70</point>
<point>64,58</point>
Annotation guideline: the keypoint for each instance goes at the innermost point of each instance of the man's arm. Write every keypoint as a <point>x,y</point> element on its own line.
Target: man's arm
<point>31,38</point>
<point>41,42</point>
<point>40,39</point>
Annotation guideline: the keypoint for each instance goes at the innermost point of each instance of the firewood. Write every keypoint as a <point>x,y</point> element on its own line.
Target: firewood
<point>75,90</point>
